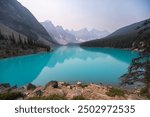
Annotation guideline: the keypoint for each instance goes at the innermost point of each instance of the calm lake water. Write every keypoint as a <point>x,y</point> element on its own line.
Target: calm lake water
<point>67,64</point>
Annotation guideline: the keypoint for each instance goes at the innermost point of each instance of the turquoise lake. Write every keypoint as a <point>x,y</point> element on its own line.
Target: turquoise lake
<point>67,64</point>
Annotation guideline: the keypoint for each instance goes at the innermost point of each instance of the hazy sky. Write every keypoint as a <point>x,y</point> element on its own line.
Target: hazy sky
<point>100,14</point>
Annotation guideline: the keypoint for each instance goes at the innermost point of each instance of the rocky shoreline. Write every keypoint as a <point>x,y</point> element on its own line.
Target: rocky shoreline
<point>60,90</point>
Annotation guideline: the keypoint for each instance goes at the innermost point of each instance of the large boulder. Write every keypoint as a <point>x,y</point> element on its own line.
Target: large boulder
<point>53,84</point>
<point>30,86</point>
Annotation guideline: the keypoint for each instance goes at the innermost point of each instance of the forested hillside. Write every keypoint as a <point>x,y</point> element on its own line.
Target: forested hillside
<point>122,38</point>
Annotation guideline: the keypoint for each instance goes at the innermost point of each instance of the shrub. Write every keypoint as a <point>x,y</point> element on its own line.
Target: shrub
<point>115,92</point>
<point>31,86</point>
<point>66,84</point>
<point>78,98</point>
<point>83,85</point>
<point>144,92</point>
<point>11,95</point>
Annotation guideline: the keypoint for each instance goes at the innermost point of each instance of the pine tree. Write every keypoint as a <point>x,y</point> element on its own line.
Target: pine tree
<point>13,38</point>
<point>139,70</point>
<point>1,36</point>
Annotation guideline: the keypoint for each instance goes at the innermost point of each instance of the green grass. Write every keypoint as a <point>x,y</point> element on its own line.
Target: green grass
<point>11,95</point>
<point>116,92</point>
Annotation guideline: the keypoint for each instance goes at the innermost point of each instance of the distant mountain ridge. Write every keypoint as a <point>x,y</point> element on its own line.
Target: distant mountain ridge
<point>86,35</point>
<point>58,34</point>
<point>123,37</point>
<point>62,36</point>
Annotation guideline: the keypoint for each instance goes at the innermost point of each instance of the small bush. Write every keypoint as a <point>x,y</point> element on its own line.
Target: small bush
<point>83,85</point>
<point>51,97</point>
<point>116,92</point>
<point>11,96</point>
<point>145,92</point>
<point>78,98</point>
<point>66,84</point>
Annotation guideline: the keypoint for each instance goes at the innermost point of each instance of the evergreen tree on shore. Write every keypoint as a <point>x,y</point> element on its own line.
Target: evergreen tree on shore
<point>139,70</point>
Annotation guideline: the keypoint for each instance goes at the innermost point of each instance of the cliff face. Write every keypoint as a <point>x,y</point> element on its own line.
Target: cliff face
<point>21,20</point>
<point>20,32</point>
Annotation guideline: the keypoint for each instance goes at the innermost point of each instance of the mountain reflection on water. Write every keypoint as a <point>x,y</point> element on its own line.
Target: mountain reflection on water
<point>67,64</point>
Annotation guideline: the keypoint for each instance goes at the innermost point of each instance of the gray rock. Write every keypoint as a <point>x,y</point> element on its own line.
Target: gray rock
<point>30,86</point>
<point>2,89</point>
<point>5,85</point>
<point>38,93</point>
<point>53,84</point>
